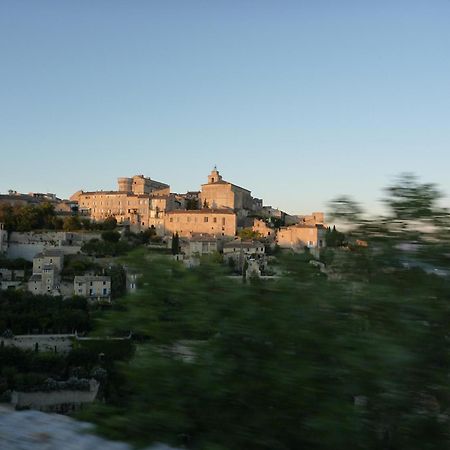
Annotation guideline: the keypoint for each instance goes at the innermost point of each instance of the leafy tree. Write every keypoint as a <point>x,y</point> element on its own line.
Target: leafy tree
<point>192,203</point>
<point>334,238</point>
<point>175,244</point>
<point>118,280</point>
<point>72,223</point>
<point>111,236</point>
<point>247,234</point>
<point>110,223</point>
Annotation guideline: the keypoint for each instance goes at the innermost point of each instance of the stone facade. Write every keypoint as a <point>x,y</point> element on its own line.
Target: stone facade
<point>47,267</point>
<point>216,222</point>
<point>140,202</point>
<point>218,193</point>
<point>28,244</point>
<point>201,245</point>
<point>48,257</point>
<point>300,236</point>
<point>315,218</point>
<point>93,287</point>
<point>62,401</point>
<point>263,228</point>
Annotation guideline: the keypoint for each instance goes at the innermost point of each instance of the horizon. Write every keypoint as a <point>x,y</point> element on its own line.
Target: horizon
<point>298,103</point>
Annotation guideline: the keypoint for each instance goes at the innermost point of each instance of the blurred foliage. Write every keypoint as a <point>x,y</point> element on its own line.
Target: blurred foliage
<point>357,358</point>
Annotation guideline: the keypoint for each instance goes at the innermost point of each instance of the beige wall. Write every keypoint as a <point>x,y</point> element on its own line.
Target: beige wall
<point>47,260</point>
<point>141,185</point>
<point>261,227</point>
<point>301,236</point>
<point>92,286</point>
<point>221,194</point>
<point>208,221</point>
<point>313,218</point>
<point>140,211</point>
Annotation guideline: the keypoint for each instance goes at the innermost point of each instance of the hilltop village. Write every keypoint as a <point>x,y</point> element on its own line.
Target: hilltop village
<point>64,261</point>
<point>93,227</point>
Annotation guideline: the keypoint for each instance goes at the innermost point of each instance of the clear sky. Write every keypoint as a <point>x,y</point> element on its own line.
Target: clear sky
<point>298,101</point>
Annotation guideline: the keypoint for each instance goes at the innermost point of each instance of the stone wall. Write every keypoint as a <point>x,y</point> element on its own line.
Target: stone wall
<point>45,342</point>
<point>55,401</point>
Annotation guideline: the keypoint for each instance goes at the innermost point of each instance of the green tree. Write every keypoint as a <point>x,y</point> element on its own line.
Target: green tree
<point>175,244</point>
<point>111,236</point>
<point>72,223</point>
<point>247,234</point>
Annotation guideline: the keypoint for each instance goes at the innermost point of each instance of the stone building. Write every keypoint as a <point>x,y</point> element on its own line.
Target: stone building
<point>216,222</point>
<point>11,279</point>
<point>46,278</point>
<point>263,228</point>
<point>240,252</point>
<point>45,282</point>
<point>93,287</point>
<point>301,235</point>
<point>49,257</point>
<point>199,245</point>
<point>140,202</point>
<point>218,193</point>
<point>315,218</point>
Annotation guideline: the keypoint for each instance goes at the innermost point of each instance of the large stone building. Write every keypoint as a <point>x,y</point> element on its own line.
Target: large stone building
<point>215,222</point>
<point>139,202</point>
<point>218,193</point>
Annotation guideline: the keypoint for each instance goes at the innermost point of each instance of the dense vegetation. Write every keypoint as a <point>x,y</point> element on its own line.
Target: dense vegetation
<point>44,217</point>
<point>356,359</point>
<point>22,313</point>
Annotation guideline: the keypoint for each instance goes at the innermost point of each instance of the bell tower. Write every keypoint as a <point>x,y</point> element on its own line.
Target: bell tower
<point>214,176</point>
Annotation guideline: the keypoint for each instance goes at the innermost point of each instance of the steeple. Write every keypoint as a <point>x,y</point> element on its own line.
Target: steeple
<point>214,176</point>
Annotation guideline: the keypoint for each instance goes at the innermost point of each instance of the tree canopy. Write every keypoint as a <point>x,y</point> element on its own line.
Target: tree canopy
<point>357,358</point>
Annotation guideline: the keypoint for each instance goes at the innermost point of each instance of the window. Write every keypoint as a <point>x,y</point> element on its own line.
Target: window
<point>105,291</point>
<point>171,219</point>
<point>223,221</point>
<point>205,219</point>
<point>215,219</point>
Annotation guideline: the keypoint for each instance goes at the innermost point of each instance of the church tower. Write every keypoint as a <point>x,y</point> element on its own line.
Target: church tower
<point>214,176</point>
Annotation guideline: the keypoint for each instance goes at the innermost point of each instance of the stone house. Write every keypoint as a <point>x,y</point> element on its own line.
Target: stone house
<point>47,268</point>
<point>49,257</point>
<point>299,236</point>
<point>94,287</point>
<point>263,228</point>
<point>201,245</point>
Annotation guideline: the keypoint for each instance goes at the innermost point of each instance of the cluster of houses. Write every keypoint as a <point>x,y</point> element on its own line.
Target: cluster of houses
<point>46,279</point>
<point>206,221</point>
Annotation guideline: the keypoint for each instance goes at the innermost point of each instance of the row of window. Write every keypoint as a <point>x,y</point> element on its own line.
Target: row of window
<point>205,220</point>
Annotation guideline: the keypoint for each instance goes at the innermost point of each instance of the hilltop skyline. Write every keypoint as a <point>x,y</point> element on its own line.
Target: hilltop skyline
<point>299,102</point>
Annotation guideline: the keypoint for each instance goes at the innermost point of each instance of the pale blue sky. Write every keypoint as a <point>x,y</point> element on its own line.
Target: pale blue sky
<point>296,100</point>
